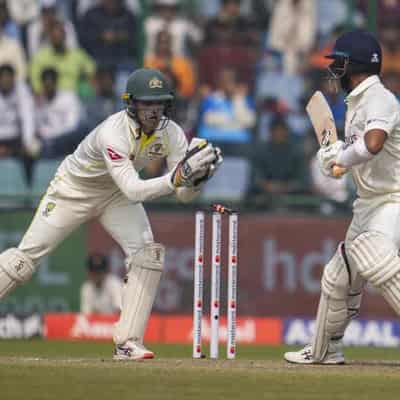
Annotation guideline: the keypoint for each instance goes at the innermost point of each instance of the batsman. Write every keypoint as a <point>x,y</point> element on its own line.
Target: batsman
<point>371,153</point>
<point>101,180</point>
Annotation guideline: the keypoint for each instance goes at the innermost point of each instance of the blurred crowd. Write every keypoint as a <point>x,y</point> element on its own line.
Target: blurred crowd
<point>242,71</point>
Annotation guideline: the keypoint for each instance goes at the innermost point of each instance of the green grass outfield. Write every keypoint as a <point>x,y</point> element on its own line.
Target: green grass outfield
<point>39,370</point>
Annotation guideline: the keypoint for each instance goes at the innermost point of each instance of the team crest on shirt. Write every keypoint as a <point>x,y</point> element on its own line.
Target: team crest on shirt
<point>50,206</point>
<point>156,150</point>
<point>155,83</point>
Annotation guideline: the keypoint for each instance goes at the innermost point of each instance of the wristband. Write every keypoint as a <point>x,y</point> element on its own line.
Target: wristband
<point>356,153</point>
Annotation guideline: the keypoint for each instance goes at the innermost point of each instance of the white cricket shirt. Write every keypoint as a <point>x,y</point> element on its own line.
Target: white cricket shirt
<point>371,106</point>
<point>115,151</point>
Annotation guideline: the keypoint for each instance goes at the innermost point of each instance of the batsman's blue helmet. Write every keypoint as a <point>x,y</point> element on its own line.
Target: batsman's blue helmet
<point>360,50</point>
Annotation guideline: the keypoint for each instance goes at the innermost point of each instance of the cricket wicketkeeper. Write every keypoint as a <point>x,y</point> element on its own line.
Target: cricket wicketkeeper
<point>371,152</point>
<point>101,180</point>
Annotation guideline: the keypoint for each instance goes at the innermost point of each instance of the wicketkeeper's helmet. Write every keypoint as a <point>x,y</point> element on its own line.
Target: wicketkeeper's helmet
<point>146,84</point>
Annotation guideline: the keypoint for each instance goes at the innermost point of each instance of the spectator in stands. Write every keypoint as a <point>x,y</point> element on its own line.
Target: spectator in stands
<point>391,79</point>
<point>231,23</point>
<point>73,65</point>
<point>213,57</point>
<point>274,82</point>
<point>109,32</point>
<point>178,68</point>
<point>227,114</point>
<point>17,126</point>
<point>22,11</point>
<point>38,34</point>
<point>10,28</point>
<point>105,101</point>
<point>165,17</point>
<point>317,59</point>
<point>279,164</point>
<point>389,35</point>
<point>384,10</point>
<point>81,7</point>
<point>101,292</point>
<point>11,51</point>
<point>293,31</point>
<point>330,15</point>
<point>59,117</point>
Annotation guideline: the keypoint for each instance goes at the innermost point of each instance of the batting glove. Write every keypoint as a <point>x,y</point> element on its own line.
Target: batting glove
<point>328,155</point>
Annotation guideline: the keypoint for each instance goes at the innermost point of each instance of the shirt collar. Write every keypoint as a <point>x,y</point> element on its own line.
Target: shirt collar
<point>134,129</point>
<point>363,86</point>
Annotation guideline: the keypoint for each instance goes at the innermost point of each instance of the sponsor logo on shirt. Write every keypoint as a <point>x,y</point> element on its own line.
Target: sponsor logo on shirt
<point>370,121</point>
<point>113,154</point>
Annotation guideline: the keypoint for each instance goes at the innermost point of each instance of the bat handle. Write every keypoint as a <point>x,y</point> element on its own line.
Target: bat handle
<point>337,171</point>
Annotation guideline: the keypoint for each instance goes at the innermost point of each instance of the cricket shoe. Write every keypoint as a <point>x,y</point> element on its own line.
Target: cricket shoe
<point>131,350</point>
<point>334,356</point>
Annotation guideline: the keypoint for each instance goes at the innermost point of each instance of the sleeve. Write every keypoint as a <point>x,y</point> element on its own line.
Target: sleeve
<point>116,157</point>
<point>26,112</point>
<point>73,112</point>
<point>381,113</point>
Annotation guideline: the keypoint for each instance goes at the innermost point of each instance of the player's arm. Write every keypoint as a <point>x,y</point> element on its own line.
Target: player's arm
<point>119,165</point>
<point>363,149</point>
<point>117,159</point>
<point>381,118</point>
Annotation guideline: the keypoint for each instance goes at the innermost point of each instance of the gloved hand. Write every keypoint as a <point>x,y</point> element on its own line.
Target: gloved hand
<point>197,161</point>
<point>203,176</point>
<point>328,155</point>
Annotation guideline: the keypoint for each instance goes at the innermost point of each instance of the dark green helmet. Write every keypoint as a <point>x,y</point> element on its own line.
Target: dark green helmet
<point>147,84</point>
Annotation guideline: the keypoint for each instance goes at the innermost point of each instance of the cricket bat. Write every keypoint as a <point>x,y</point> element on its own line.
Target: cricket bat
<point>323,123</point>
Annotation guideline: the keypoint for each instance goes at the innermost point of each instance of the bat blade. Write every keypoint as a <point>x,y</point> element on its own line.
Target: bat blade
<point>322,119</point>
<point>324,125</point>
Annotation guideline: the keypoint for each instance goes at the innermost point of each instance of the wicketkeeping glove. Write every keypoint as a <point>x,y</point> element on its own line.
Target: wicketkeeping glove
<point>203,176</point>
<point>197,160</point>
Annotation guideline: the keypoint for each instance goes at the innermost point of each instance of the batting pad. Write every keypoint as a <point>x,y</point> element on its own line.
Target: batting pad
<point>139,291</point>
<point>377,260</point>
<point>15,268</point>
<point>332,315</point>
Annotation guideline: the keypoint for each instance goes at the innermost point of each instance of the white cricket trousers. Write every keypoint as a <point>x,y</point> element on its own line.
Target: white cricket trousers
<point>378,214</point>
<point>70,202</point>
